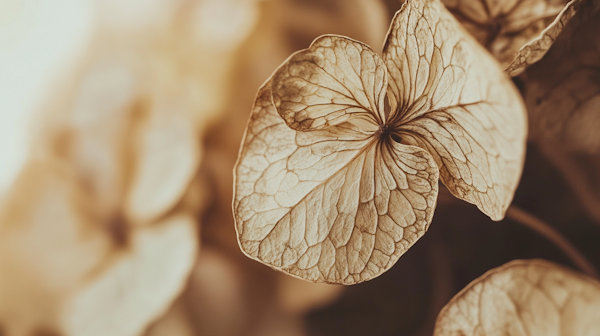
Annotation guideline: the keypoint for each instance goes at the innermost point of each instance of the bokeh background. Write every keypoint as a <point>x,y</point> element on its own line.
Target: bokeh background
<point>120,123</point>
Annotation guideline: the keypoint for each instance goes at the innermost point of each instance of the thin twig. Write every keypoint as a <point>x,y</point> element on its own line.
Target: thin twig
<point>522,217</point>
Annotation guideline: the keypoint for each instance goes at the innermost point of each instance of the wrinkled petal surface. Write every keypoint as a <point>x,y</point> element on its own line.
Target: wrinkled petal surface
<point>517,32</point>
<point>534,50</point>
<point>449,96</point>
<point>524,298</point>
<point>333,80</point>
<point>332,206</point>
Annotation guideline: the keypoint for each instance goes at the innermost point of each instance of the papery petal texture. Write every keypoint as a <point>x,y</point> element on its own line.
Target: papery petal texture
<point>534,50</point>
<point>517,32</point>
<point>524,298</point>
<point>450,97</point>
<point>330,189</point>
<point>563,103</point>
<point>334,205</point>
<point>335,79</point>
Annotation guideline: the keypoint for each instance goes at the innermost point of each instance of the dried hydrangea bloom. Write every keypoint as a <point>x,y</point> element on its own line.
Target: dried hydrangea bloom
<point>517,32</point>
<point>127,132</point>
<point>133,146</point>
<point>331,189</point>
<point>285,27</point>
<point>128,126</point>
<point>524,298</point>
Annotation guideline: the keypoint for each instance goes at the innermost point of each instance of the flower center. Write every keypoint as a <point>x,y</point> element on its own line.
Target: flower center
<point>385,131</point>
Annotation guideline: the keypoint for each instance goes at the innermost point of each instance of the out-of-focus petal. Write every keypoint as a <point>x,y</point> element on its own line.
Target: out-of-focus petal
<point>136,285</point>
<point>167,154</point>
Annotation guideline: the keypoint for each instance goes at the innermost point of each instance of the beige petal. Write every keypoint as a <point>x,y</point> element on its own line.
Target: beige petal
<point>167,157</point>
<point>96,130</point>
<point>48,245</point>
<point>332,206</point>
<point>449,96</point>
<point>517,32</point>
<point>332,81</point>
<point>524,298</point>
<point>563,105</point>
<point>63,270</point>
<point>138,285</point>
<point>535,49</point>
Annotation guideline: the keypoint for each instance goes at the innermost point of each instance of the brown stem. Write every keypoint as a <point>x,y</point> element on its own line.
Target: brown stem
<point>522,217</point>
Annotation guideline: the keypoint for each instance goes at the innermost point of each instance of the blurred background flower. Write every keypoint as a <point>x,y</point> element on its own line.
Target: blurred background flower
<point>124,155</point>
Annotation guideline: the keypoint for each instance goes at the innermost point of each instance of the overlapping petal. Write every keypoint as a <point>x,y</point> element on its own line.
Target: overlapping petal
<point>103,277</point>
<point>335,79</point>
<point>330,190</point>
<point>517,32</point>
<point>563,103</point>
<point>335,205</point>
<point>533,51</point>
<point>450,97</point>
<point>168,156</point>
<point>138,286</point>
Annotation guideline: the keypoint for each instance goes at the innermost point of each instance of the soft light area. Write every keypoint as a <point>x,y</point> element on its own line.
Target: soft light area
<point>39,40</point>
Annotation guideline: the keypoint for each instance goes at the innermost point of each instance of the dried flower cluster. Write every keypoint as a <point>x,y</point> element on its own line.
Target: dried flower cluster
<point>120,223</point>
<point>331,189</point>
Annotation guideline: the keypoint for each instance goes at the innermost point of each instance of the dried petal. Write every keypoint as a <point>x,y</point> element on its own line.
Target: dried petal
<point>336,205</point>
<point>563,105</point>
<point>517,32</point>
<point>334,80</point>
<point>95,132</point>
<point>449,96</point>
<point>524,298</point>
<point>535,49</point>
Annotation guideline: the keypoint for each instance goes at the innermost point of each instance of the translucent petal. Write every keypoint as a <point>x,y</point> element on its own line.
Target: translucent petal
<point>332,206</point>
<point>450,97</point>
<point>332,81</point>
<point>524,298</point>
<point>517,32</point>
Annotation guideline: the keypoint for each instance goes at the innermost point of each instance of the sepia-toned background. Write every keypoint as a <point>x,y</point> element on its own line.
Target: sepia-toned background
<point>120,124</point>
